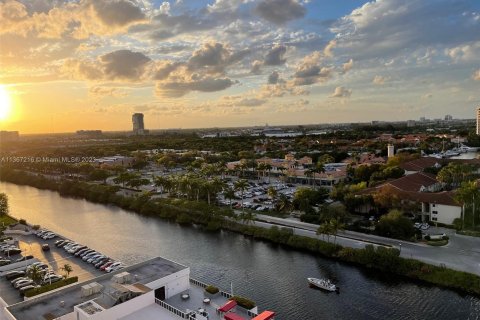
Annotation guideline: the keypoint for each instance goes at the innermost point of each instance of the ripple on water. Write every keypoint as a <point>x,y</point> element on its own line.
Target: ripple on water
<point>272,276</point>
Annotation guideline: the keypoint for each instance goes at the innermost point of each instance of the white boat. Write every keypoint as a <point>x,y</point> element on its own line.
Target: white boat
<point>324,284</point>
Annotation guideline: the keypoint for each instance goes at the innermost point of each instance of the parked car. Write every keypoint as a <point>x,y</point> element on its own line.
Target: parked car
<point>52,278</point>
<point>83,252</point>
<point>118,267</point>
<point>113,266</point>
<point>77,249</point>
<point>101,262</point>
<point>45,247</point>
<point>93,258</point>
<point>14,274</point>
<point>89,255</point>
<point>106,265</point>
<point>24,258</point>
<point>22,283</point>
<point>5,262</point>
<point>26,288</point>
<point>13,251</point>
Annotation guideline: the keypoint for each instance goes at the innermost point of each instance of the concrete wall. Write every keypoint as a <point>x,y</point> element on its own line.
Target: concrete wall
<point>174,283</point>
<point>126,307</point>
<point>444,214</point>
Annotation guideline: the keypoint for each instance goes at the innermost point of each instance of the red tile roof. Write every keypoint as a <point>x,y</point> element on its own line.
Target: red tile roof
<point>413,182</point>
<point>228,306</point>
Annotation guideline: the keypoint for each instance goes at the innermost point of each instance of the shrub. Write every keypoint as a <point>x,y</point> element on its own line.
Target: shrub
<point>212,289</point>
<point>22,221</point>
<point>427,237</point>
<point>50,287</point>
<point>36,227</point>
<point>244,302</point>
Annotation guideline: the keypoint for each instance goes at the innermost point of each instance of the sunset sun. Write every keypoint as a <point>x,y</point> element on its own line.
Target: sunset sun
<point>5,103</point>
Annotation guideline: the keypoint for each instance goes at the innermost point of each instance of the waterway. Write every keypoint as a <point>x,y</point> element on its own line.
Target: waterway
<point>271,275</point>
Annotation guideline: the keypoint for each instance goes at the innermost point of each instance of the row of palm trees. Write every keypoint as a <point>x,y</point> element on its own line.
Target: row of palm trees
<point>330,228</point>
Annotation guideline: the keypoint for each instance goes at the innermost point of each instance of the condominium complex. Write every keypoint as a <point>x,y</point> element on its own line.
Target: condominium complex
<point>154,289</point>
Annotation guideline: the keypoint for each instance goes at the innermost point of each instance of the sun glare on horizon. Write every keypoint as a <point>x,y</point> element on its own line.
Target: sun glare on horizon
<point>5,103</point>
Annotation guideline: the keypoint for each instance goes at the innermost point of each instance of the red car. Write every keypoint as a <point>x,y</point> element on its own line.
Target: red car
<point>106,265</point>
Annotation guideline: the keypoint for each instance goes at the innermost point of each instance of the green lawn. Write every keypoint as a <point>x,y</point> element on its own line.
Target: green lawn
<point>7,220</point>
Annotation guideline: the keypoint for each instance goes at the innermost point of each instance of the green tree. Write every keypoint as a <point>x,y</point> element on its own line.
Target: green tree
<point>67,269</point>
<point>35,273</point>
<point>395,225</point>
<point>335,226</point>
<point>99,175</point>
<point>241,185</point>
<point>4,207</point>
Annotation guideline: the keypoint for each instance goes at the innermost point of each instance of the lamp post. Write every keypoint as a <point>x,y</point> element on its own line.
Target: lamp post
<point>400,246</point>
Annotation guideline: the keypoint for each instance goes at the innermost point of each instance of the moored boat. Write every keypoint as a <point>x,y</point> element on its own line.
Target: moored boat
<point>324,284</point>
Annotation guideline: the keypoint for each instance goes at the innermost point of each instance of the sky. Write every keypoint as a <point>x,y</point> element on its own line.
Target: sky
<point>67,65</point>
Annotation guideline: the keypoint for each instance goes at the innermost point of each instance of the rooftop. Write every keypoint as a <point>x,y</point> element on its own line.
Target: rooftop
<point>106,291</point>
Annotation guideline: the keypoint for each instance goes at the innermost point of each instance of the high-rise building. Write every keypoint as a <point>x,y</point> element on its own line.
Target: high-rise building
<point>448,117</point>
<point>478,121</point>
<point>138,125</point>
<point>390,150</point>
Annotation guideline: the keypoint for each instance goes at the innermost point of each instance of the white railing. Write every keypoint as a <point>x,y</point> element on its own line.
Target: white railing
<point>172,309</point>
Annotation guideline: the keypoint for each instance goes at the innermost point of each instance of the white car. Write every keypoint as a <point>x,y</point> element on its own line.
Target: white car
<point>113,266</point>
<point>89,255</point>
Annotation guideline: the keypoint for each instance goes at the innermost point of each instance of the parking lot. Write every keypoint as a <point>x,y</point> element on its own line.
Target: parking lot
<point>55,258</point>
<point>256,197</point>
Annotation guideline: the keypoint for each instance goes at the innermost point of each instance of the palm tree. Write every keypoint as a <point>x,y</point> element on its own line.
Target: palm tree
<point>241,185</point>
<point>283,203</point>
<point>261,167</point>
<point>35,273</point>
<point>336,225</point>
<point>67,269</point>
<point>268,167</point>
<point>272,192</point>
<point>229,194</point>
<point>325,229</point>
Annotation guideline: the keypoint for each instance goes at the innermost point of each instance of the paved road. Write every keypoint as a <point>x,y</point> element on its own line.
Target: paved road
<point>462,253</point>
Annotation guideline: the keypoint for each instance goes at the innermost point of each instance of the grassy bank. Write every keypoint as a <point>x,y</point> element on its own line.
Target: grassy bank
<point>214,218</point>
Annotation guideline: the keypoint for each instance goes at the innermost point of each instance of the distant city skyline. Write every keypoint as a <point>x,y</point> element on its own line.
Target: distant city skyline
<point>80,65</point>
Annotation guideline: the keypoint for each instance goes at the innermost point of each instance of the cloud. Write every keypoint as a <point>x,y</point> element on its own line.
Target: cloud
<point>392,28</point>
<point>116,65</point>
<point>124,64</point>
<point>273,78</point>
<point>341,92</point>
<point>178,87</point>
<point>225,5</point>
<point>464,53</point>
<point>100,91</point>
<point>380,80</point>
<point>476,75</point>
<point>280,12</point>
<point>164,8</point>
<point>309,70</point>
<point>117,12</point>
<point>256,67</point>
<point>79,69</point>
<point>275,57</point>
<point>214,57</point>
<point>426,96</point>
<point>328,50</point>
<point>347,66</point>
<point>163,69</point>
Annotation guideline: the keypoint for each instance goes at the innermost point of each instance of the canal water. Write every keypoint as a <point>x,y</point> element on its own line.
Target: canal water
<point>272,276</point>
